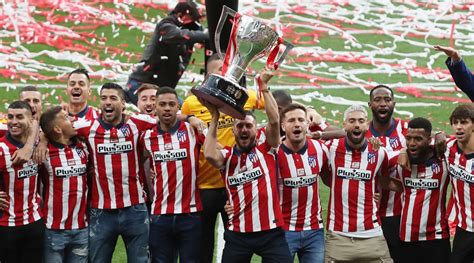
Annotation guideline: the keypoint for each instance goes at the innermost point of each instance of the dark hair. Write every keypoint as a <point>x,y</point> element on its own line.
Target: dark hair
<point>47,121</point>
<point>114,86</point>
<point>380,87</point>
<point>79,71</point>
<point>19,104</point>
<point>146,86</point>
<point>166,90</point>
<point>462,112</point>
<point>282,97</point>
<point>29,88</point>
<point>249,113</point>
<point>420,123</point>
<point>291,107</point>
<point>187,7</point>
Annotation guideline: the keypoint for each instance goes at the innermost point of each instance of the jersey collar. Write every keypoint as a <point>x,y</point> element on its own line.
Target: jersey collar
<point>289,151</point>
<point>468,156</point>
<point>14,142</point>
<point>349,148</point>
<point>172,130</point>
<point>81,114</point>
<point>387,134</point>
<point>108,126</point>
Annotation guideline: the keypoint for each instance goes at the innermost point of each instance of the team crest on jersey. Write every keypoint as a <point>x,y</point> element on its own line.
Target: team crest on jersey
<point>312,161</point>
<point>371,157</point>
<point>125,129</point>
<point>435,168</point>
<point>394,142</point>
<point>355,165</point>
<point>181,136</point>
<point>81,153</point>
<point>253,157</point>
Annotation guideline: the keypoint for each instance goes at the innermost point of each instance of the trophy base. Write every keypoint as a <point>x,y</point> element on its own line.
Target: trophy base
<point>228,96</point>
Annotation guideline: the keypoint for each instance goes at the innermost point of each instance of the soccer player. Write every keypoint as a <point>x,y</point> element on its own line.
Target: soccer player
<point>210,183</point>
<point>300,162</point>
<point>460,159</point>
<point>117,205</point>
<point>424,227</point>
<point>354,232</point>
<point>79,90</point>
<point>391,133</point>
<point>21,226</point>
<point>64,174</point>
<point>174,147</point>
<point>250,175</point>
<point>32,96</point>
<point>146,99</point>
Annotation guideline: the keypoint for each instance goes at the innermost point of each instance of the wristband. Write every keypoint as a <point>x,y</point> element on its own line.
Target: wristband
<point>189,117</point>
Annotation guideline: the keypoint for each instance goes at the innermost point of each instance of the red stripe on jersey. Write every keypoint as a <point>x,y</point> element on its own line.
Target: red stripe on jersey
<point>251,186</point>
<point>114,151</point>
<point>424,202</point>
<point>65,179</point>
<point>351,204</point>
<point>461,170</point>
<point>175,157</point>
<point>299,190</point>
<point>394,140</point>
<point>20,182</point>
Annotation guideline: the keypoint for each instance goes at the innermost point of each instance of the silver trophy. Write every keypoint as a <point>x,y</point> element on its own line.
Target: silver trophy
<point>250,40</point>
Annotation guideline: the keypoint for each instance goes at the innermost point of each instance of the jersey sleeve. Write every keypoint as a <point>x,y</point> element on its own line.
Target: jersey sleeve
<point>144,122</point>
<point>82,127</point>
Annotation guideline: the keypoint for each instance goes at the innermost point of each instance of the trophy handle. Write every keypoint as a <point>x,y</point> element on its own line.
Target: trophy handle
<point>271,58</point>
<point>217,36</point>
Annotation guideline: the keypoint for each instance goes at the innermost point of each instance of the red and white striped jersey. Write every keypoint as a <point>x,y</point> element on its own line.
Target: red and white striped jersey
<point>251,185</point>
<point>299,188</point>
<point>88,113</point>
<point>64,175</point>
<point>393,140</point>
<point>3,129</point>
<point>352,207</point>
<point>424,201</point>
<point>115,160</point>
<point>461,170</point>
<point>175,157</point>
<point>20,182</point>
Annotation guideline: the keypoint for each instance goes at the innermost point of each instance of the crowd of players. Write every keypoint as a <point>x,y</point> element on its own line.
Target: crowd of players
<point>74,178</point>
<point>95,170</point>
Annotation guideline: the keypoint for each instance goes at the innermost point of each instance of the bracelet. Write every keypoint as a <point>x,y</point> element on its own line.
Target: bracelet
<point>189,117</point>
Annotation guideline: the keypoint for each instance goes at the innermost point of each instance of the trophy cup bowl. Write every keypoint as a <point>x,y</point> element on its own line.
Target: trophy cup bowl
<point>250,40</point>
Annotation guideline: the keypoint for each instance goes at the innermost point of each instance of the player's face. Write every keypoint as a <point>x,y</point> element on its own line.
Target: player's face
<point>418,143</point>
<point>356,126</point>
<point>146,101</point>
<point>18,121</point>
<point>463,129</point>
<point>78,89</point>
<point>245,132</point>
<point>63,122</point>
<point>34,99</point>
<point>382,105</point>
<point>167,107</point>
<point>111,106</point>
<point>295,125</point>
<point>215,67</point>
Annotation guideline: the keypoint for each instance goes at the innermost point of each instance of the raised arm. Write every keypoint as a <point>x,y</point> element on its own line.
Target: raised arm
<point>211,146</point>
<point>462,76</point>
<point>272,131</point>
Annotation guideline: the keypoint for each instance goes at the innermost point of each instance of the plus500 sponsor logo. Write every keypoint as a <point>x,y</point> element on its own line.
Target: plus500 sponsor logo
<point>242,178</point>
<point>28,171</point>
<point>70,171</point>
<point>354,174</point>
<point>421,183</point>
<point>300,181</point>
<point>461,174</point>
<point>112,148</point>
<point>172,155</point>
